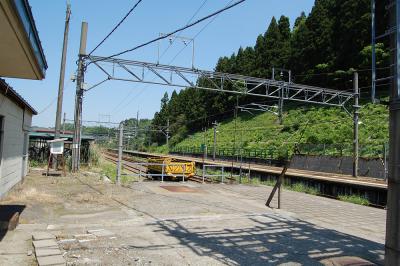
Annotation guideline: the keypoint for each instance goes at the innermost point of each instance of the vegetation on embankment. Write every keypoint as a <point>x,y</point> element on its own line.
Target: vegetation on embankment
<point>322,48</point>
<point>316,125</point>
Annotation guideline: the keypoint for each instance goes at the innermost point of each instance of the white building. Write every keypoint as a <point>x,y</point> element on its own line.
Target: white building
<point>15,123</point>
<point>21,56</point>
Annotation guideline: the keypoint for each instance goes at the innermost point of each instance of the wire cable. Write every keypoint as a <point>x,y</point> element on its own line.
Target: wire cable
<point>119,24</point>
<point>178,30</point>
<point>173,59</point>
<point>190,20</point>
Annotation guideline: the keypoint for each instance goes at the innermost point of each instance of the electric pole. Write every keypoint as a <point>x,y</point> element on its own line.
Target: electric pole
<point>57,127</point>
<point>373,46</point>
<point>65,118</point>
<point>392,242</point>
<point>355,119</point>
<point>76,143</point>
<point>167,134</point>
<point>137,131</point>
<point>215,124</point>
<point>120,150</point>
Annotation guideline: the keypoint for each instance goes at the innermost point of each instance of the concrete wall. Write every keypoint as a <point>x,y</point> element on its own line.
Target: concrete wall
<point>13,144</point>
<point>339,165</point>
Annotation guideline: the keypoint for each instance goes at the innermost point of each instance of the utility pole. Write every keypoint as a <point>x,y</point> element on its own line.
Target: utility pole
<point>120,147</point>
<point>280,106</point>
<point>373,40</point>
<point>137,130</point>
<point>355,119</point>
<point>392,243</point>
<point>57,127</point>
<point>65,119</point>
<point>76,143</point>
<point>167,134</point>
<point>215,124</point>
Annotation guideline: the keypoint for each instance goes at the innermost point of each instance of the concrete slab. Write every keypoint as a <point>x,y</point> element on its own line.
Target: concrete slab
<point>44,243</point>
<point>51,260</point>
<point>43,252</point>
<point>42,236</point>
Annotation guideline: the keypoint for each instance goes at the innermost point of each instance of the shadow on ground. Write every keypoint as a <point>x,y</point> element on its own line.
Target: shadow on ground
<point>9,217</point>
<point>271,240</point>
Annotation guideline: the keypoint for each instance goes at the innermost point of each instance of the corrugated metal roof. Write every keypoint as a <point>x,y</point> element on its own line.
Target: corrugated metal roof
<point>9,92</point>
<point>49,135</point>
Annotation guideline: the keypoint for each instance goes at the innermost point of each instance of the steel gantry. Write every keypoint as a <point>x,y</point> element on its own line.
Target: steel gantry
<point>169,75</point>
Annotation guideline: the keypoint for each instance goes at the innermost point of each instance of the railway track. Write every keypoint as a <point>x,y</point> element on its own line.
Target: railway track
<point>128,162</point>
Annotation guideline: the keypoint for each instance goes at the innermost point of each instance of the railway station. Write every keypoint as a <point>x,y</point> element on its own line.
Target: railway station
<point>246,135</point>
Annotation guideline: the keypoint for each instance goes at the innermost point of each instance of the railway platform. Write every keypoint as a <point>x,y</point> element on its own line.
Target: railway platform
<point>172,223</point>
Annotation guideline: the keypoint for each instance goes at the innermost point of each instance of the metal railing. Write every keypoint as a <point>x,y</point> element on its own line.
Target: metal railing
<point>141,173</point>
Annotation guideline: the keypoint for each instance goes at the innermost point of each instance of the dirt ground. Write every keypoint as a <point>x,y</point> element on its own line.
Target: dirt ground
<point>174,223</point>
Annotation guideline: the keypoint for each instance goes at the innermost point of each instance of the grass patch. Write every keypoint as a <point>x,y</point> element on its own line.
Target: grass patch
<point>300,187</point>
<point>109,170</point>
<point>36,163</point>
<point>356,199</point>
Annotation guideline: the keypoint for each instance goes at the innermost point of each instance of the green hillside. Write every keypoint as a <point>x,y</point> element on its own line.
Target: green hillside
<point>316,126</point>
<point>322,48</point>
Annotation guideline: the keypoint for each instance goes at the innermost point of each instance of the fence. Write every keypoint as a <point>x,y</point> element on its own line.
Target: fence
<point>378,150</point>
<point>221,174</point>
<point>163,168</point>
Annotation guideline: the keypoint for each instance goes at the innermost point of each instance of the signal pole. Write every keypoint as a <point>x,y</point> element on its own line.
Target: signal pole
<point>57,127</point>
<point>215,139</point>
<point>76,143</point>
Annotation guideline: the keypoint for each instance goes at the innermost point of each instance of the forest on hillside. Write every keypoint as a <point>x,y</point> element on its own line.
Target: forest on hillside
<point>322,48</point>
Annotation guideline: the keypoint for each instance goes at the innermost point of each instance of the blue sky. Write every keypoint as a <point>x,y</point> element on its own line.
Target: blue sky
<point>237,27</point>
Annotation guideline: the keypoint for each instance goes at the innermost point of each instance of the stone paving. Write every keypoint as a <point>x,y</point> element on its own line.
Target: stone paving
<point>146,224</point>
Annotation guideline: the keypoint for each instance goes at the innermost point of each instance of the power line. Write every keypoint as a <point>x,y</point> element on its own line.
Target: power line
<point>170,62</point>
<point>119,23</point>
<point>190,20</point>
<point>178,30</point>
<point>197,34</point>
<point>48,106</point>
<point>332,73</point>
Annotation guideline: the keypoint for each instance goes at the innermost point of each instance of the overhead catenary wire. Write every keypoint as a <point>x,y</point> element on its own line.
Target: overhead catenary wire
<point>116,26</point>
<point>178,30</point>
<point>197,34</point>
<point>173,59</point>
<point>190,20</point>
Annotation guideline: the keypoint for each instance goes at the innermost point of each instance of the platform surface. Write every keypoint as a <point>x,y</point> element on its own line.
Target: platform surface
<point>219,224</point>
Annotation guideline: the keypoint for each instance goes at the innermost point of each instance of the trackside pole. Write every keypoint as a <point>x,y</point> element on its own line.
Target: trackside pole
<point>76,143</point>
<point>204,171</point>
<point>356,113</point>
<point>120,146</point>
<point>392,244</point>
<point>162,172</point>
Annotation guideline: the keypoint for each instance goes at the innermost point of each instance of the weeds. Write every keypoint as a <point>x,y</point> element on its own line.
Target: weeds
<point>356,199</point>
<point>300,187</point>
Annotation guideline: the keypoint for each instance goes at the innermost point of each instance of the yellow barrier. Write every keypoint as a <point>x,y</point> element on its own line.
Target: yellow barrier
<point>172,167</point>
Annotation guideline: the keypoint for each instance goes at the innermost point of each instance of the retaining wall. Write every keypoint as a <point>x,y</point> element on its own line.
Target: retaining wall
<point>340,165</point>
